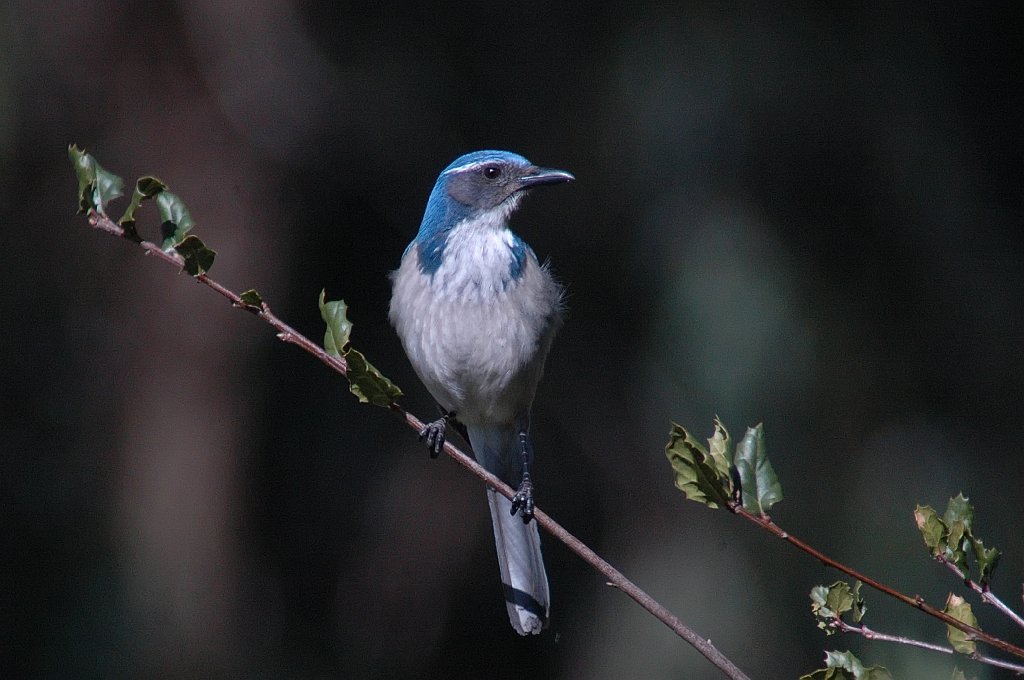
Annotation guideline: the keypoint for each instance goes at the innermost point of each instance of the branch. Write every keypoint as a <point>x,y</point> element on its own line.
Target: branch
<point>288,334</point>
<point>614,576</point>
<point>870,634</point>
<point>987,596</point>
<point>844,627</point>
<point>917,601</point>
<point>285,333</point>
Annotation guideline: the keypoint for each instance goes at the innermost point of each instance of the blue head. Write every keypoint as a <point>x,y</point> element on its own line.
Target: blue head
<point>481,184</point>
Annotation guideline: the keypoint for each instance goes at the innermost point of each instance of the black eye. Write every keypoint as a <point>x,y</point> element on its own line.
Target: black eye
<point>492,171</point>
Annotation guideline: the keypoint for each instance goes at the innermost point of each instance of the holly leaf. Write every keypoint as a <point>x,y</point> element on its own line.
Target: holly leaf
<point>821,609</point>
<point>365,381</point>
<point>958,519</point>
<point>758,481</point>
<point>720,449</point>
<point>933,530</point>
<point>334,314</point>
<point>987,559</point>
<point>846,666</point>
<point>696,472</point>
<point>145,188</point>
<point>96,186</point>
<point>952,538</point>
<point>959,511</point>
<point>175,219</point>
<point>960,609</point>
<point>198,258</point>
<point>251,298</point>
<point>829,603</point>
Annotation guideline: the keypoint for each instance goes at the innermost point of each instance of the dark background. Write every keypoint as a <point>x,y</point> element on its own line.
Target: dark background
<point>807,215</point>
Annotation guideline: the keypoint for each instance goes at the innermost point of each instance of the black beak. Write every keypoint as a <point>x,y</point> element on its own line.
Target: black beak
<point>538,176</point>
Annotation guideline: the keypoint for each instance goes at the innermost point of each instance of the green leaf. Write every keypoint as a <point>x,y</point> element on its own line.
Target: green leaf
<point>819,596</point>
<point>365,381</point>
<point>835,601</point>
<point>960,609</point>
<point>198,258</point>
<point>720,449</point>
<point>959,510</point>
<point>96,186</point>
<point>175,218</point>
<point>933,530</point>
<point>987,560</point>
<point>952,538</point>
<point>859,608</point>
<point>758,482</point>
<point>338,326</point>
<point>145,188</point>
<point>846,666</point>
<point>696,472</point>
<point>251,298</point>
<point>958,519</point>
<point>820,609</point>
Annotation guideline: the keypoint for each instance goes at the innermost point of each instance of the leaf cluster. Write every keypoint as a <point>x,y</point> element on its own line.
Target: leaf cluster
<point>717,475</point>
<point>951,538</point>
<point>831,603</point>
<point>97,188</point>
<point>741,478</point>
<point>365,381</point>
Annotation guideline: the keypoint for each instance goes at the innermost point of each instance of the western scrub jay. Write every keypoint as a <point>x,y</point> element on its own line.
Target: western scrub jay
<point>476,313</point>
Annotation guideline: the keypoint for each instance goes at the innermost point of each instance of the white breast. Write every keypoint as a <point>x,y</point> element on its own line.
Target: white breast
<point>476,336</point>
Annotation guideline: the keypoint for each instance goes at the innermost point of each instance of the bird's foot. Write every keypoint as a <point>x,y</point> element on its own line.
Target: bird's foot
<point>432,435</point>
<point>523,499</point>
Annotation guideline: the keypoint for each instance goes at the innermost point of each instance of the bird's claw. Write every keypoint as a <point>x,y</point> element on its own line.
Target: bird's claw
<point>433,435</point>
<point>523,500</point>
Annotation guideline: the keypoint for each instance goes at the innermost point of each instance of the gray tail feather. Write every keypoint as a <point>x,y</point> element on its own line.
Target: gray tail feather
<point>522,568</point>
<point>523,579</point>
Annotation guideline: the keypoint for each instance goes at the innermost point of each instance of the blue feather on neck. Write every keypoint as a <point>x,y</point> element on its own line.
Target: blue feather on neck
<point>432,243</point>
<point>440,217</point>
<point>519,250</point>
<point>445,212</point>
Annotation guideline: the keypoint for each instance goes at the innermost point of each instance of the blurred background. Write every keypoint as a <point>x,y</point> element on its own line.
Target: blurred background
<point>808,215</point>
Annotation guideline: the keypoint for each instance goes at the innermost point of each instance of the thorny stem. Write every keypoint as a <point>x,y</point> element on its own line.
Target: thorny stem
<point>917,601</point>
<point>288,334</point>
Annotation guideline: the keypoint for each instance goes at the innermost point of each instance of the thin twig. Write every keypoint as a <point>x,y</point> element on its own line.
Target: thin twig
<point>999,663</point>
<point>870,634</point>
<point>285,333</point>
<point>288,334</point>
<point>844,627</point>
<point>917,601</point>
<point>987,596</point>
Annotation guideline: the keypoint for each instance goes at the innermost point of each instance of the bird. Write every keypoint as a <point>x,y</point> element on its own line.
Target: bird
<point>476,313</point>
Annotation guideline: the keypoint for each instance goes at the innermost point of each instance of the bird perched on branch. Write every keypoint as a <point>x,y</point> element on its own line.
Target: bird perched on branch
<point>476,313</point>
